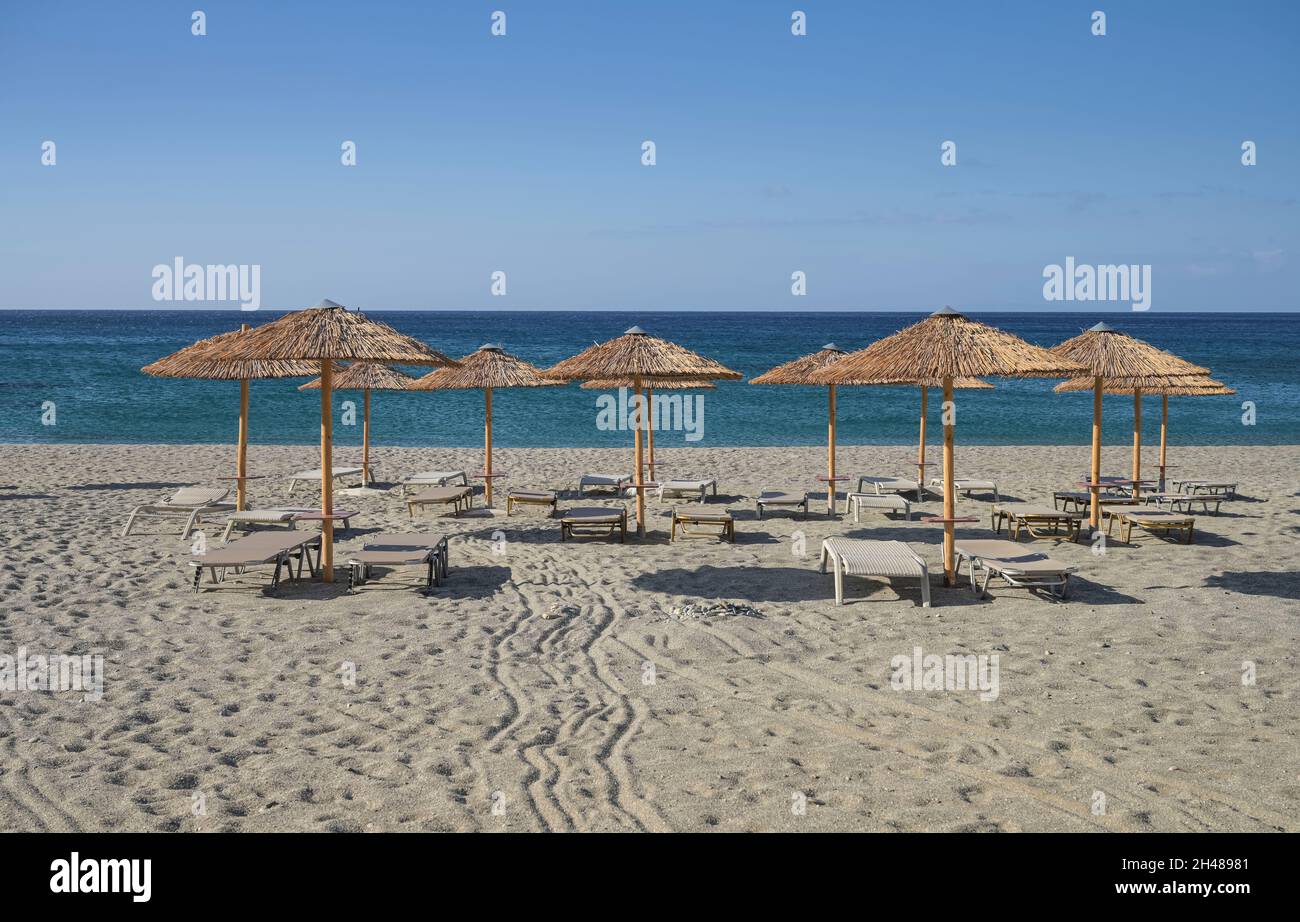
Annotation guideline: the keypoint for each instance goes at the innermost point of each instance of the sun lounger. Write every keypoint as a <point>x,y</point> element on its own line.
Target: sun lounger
<point>433,479</point>
<point>1226,487</point>
<point>969,485</point>
<point>1013,564</point>
<point>530,498</point>
<point>890,502</point>
<point>191,502</point>
<point>281,516</point>
<point>881,485</point>
<point>1151,519</point>
<point>1082,499</point>
<point>1176,500</point>
<point>457,497</point>
<point>1032,517</point>
<point>258,549</point>
<point>883,559</point>
<point>339,474</point>
<point>696,524</point>
<point>669,488</point>
<point>400,550</point>
<point>586,521</point>
<point>781,498</point>
<point>615,482</point>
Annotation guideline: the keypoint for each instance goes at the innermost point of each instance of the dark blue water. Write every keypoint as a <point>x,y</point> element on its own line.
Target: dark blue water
<point>87,363</point>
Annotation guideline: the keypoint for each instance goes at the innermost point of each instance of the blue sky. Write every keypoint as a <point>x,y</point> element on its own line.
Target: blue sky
<point>775,153</point>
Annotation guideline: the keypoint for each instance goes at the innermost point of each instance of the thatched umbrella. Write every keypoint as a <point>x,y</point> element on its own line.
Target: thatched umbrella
<point>1116,358</point>
<point>192,362</point>
<point>487,368</point>
<point>944,347</point>
<point>663,384</point>
<point>638,356</point>
<point>366,377</point>
<point>323,334</point>
<point>1166,388</point>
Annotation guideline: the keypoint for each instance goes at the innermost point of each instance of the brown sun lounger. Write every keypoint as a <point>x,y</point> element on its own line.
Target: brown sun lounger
<point>457,497</point>
<point>1039,521</point>
<point>544,498</point>
<point>1082,499</point>
<point>400,550</point>
<point>1013,564</point>
<point>586,521</point>
<point>1151,519</point>
<point>696,524</point>
<point>259,549</point>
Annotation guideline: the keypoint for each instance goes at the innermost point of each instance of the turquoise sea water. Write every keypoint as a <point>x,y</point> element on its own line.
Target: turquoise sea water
<point>87,364</point>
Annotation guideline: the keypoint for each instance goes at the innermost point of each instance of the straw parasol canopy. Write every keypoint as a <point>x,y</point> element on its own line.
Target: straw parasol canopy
<point>638,356</point>
<point>1164,387</point>
<point>194,361</point>
<point>322,334</point>
<point>1117,359</point>
<point>487,368</point>
<point>365,377</point>
<point>651,385</point>
<point>942,348</point>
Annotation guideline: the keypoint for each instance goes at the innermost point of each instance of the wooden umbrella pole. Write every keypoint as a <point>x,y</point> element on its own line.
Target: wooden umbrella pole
<point>326,470</point>
<point>1094,506</point>
<point>1164,426</point>
<point>830,452</point>
<point>1137,436</point>
<point>949,487</point>
<point>241,457</point>
<point>241,454</point>
<point>365,439</point>
<point>639,447</point>
<point>650,428</point>
<point>487,446</point>
<point>920,451</point>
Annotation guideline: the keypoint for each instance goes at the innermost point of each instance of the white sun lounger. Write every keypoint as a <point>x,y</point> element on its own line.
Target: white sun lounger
<point>1226,487</point>
<point>1177,500</point>
<point>1039,520</point>
<point>696,488</point>
<point>1014,564</point>
<point>614,482</point>
<point>885,559</point>
<point>969,485</point>
<point>883,485</point>
<point>191,502</point>
<point>434,479</point>
<point>795,501</point>
<point>340,473</point>
<point>890,502</point>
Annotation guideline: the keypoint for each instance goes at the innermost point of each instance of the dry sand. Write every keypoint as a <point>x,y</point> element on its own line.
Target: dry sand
<point>471,700</point>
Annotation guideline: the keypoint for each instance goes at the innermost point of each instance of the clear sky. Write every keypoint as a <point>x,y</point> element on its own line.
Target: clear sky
<point>775,153</point>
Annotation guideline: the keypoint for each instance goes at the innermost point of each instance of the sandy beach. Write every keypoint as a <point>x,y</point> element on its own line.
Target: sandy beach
<point>474,710</point>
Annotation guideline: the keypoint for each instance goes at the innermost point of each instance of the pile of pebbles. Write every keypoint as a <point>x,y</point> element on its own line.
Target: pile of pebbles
<point>715,610</point>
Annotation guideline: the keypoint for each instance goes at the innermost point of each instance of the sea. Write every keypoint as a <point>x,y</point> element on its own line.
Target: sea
<point>74,377</point>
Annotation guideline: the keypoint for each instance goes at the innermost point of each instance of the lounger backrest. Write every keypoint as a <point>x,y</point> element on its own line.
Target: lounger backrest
<point>197,496</point>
